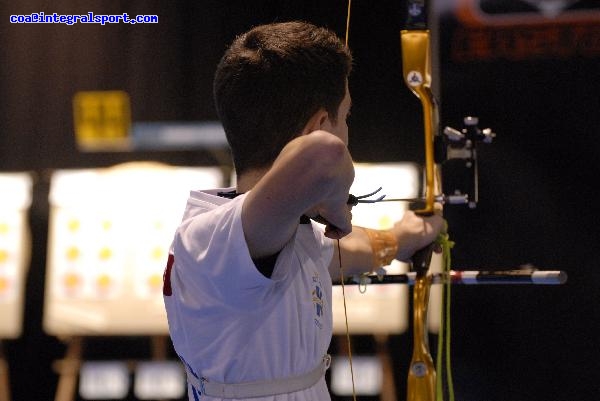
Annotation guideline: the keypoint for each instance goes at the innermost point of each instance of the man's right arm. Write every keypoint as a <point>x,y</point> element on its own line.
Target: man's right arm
<point>312,175</point>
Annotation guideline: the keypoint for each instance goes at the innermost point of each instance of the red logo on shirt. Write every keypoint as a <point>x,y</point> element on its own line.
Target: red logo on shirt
<point>167,290</point>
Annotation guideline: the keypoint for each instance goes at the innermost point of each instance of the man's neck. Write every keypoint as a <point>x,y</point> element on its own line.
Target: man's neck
<point>248,180</point>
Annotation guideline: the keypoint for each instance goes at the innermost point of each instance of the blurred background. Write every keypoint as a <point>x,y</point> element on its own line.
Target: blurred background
<point>530,70</point>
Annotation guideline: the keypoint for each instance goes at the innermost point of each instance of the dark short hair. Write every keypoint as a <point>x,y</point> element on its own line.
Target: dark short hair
<point>269,83</point>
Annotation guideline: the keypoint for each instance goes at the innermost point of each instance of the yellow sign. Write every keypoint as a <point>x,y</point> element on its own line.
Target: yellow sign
<point>102,120</point>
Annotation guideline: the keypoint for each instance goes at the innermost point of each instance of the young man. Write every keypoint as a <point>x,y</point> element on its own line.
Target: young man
<point>248,284</point>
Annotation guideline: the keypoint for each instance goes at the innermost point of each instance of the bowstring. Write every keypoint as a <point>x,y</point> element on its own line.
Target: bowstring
<point>346,320</point>
<point>348,21</point>
<point>340,253</point>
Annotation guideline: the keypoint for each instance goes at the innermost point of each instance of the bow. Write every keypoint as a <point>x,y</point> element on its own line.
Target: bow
<point>416,66</point>
<point>455,151</point>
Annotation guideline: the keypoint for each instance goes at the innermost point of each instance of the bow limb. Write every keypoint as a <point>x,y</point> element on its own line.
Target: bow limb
<point>416,65</point>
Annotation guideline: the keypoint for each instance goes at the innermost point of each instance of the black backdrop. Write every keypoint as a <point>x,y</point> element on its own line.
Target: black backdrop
<point>538,198</point>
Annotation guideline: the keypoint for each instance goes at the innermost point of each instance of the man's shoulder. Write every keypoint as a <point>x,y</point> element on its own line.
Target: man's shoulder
<point>210,207</point>
<point>201,201</point>
<point>217,196</point>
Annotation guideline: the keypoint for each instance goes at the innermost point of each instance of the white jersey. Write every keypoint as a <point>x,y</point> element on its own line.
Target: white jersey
<point>231,324</point>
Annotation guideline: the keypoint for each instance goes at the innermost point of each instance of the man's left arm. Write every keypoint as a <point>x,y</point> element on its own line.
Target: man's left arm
<point>366,250</point>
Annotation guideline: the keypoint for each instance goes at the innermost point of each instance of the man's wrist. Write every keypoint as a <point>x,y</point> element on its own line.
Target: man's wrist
<point>384,246</point>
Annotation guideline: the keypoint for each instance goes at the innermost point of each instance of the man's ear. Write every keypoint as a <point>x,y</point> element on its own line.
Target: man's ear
<point>316,121</point>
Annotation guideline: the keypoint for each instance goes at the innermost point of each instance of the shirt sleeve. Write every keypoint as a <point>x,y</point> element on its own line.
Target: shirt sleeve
<point>212,258</point>
<point>326,244</point>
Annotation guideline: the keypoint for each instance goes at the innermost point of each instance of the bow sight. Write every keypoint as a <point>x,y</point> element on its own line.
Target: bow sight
<point>456,152</point>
